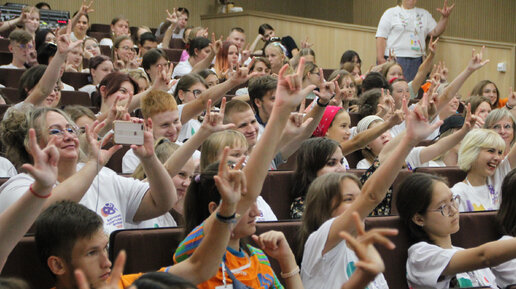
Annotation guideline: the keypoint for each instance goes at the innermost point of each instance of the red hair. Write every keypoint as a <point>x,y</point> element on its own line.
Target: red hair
<point>221,62</point>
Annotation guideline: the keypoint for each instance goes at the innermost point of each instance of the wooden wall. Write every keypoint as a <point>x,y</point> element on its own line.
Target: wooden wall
<point>493,20</point>
<point>139,12</point>
<point>333,38</point>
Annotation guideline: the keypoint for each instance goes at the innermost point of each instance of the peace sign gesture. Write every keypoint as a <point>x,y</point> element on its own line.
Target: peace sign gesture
<point>64,44</point>
<point>44,169</point>
<point>172,18</point>
<point>85,8</point>
<point>289,91</point>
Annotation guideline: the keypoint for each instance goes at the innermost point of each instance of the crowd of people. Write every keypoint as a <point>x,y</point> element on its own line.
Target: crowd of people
<point>206,154</point>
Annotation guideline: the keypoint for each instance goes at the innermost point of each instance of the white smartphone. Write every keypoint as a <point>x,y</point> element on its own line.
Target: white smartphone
<point>128,133</point>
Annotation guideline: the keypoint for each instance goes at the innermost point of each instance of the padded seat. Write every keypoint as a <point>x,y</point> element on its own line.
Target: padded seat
<point>4,45</point>
<point>176,43</point>
<point>115,162</point>
<point>11,95</point>
<point>24,263</point>
<point>75,97</point>
<point>276,192</point>
<point>327,72</point>
<point>355,118</point>
<point>173,55</point>
<point>10,77</point>
<point>452,174</point>
<point>5,58</point>
<point>75,79</point>
<point>98,27</point>
<point>105,50</point>
<point>99,35</point>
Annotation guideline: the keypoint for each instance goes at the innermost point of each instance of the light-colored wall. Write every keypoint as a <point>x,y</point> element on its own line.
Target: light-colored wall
<point>493,20</point>
<point>332,39</point>
<point>139,12</point>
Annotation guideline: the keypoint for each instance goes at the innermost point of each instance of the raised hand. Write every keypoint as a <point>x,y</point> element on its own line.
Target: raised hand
<point>295,124</point>
<point>213,121</point>
<point>85,8</point>
<point>511,99</point>
<point>432,45</point>
<point>216,44</point>
<point>240,75</point>
<point>306,44</point>
<point>396,117</point>
<point>245,54</point>
<point>95,151</point>
<point>146,150</point>
<point>446,10</point>
<point>327,90</point>
<point>477,61</point>
<point>44,169</point>
<point>470,120</point>
<point>116,274</point>
<point>64,44</point>
<point>172,18</point>
<point>370,260</point>
<point>290,91</point>
<point>231,183</point>
<point>418,127</point>
<point>163,79</point>
<point>388,106</point>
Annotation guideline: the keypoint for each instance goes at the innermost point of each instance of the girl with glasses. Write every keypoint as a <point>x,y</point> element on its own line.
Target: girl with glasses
<point>430,211</point>
<point>502,122</point>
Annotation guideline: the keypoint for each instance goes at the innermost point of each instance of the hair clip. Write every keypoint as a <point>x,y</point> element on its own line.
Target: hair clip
<point>197,178</point>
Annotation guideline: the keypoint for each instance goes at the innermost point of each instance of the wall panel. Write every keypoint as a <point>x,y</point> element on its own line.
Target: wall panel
<point>139,12</point>
<point>492,20</point>
<point>332,39</point>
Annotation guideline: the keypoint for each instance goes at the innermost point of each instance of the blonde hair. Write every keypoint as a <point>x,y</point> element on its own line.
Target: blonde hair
<point>163,148</point>
<point>474,142</point>
<point>157,101</point>
<point>213,145</point>
<point>497,115</point>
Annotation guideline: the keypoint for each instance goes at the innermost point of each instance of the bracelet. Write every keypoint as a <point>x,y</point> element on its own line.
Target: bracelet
<point>228,220</point>
<point>36,194</point>
<point>290,274</point>
<point>320,104</point>
<point>508,106</point>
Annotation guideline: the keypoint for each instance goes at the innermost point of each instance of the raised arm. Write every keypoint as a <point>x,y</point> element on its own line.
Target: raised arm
<point>432,151</point>
<point>215,45</point>
<point>362,139</point>
<point>443,21</point>
<point>48,80</point>
<point>84,10</point>
<point>17,219</point>
<point>6,25</point>
<point>212,123</point>
<point>161,195</point>
<point>375,188</point>
<point>215,93</point>
<point>370,262</point>
<point>288,96</point>
<point>205,261</point>
<point>172,18</point>
<point>425,67</point>
<point>451,90</point>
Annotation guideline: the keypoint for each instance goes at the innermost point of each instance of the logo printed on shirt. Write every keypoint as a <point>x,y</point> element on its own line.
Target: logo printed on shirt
<point>108,209</point>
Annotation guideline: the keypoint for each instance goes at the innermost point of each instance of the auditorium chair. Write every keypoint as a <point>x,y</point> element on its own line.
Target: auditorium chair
<point>452,174</point>
<point>75,79</point>
<point>75,97</point>
<point>10,77</point>
<point>11,95</point>
<point>177,43</point>
<point>5,57</point>
<point>4,45</point>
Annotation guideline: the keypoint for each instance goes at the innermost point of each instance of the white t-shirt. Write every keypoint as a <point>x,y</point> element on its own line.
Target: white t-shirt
<point>189,128</point>
<point>405,30</point>
<point>266,213</point>
<point>485,197</point>
<point>67,87</point>
<point>89,88</point>
<point>107,42</point>
<point>504,272</point>
<point>182,68</point>
<point>426,262</point>
<point>130,161</point>
<point>116,203</point>
<point>7,169</point>
<point>163,221</point>
<point>10,65</point>
<point>412,160</point>
<point>331,270</point>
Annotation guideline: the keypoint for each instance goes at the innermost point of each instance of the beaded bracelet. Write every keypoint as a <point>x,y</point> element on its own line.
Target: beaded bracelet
<point>290,274</point>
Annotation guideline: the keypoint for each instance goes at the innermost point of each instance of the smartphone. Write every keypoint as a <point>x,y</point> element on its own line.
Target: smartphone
<point>128,133</point>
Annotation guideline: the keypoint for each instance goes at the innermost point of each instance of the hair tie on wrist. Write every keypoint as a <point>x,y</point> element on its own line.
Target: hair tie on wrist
<point>290,274</point>
<point>36,194</point>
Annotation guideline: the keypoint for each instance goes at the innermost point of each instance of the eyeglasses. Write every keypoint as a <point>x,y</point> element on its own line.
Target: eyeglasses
<point>196,92</point>
<point>60,132</point>
<point>446,209</point>
<point>127,48</point>
<point>498,127</point>
<point>25,46</point>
